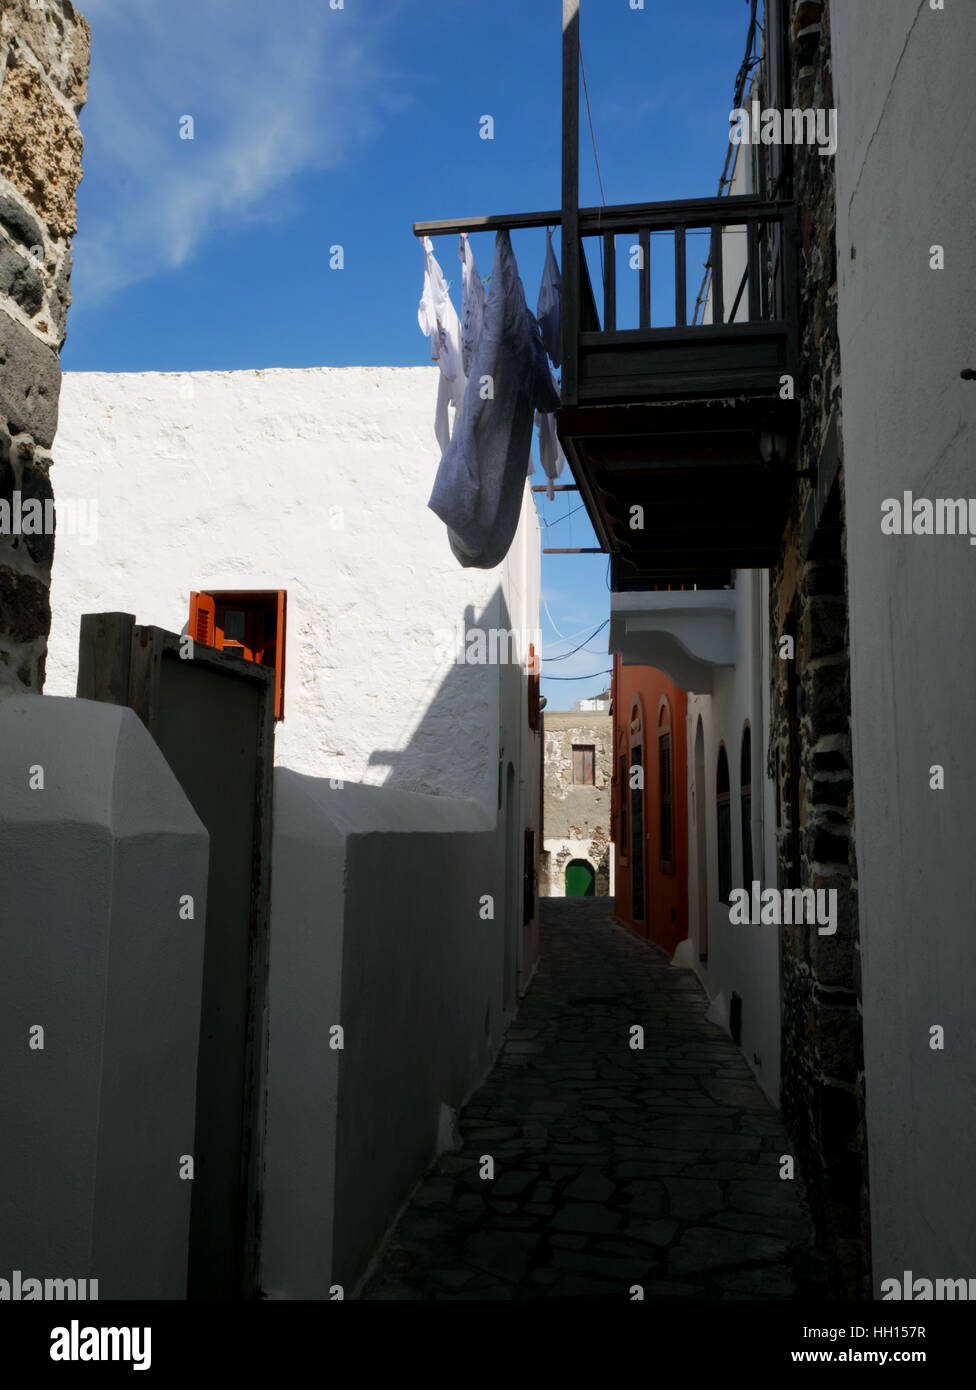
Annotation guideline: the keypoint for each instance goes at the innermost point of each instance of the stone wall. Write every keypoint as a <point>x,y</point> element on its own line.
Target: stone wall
<point>44,48</point>
<point>810,729</point>
<point>576,819</point>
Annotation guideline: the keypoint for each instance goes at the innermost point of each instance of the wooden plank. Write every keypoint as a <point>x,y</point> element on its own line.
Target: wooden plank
<point>609,283</point>
<point>621,217</point>
<point>104,655</point>
<point>703,336</point>
<point>644,236</point>
<point>571,250</point>
<point>688,212</point>
<point>680,278</point>
<point>718,276</point>
<point>487,224</point>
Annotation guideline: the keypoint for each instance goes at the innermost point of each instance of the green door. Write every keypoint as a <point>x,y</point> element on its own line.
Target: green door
<point>580,879</point>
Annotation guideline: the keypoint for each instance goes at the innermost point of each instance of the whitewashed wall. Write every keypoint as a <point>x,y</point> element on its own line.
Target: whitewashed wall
<point>743,959</point>
<point>93,950</point>
<point>315,481</point>
<point>903,85</point>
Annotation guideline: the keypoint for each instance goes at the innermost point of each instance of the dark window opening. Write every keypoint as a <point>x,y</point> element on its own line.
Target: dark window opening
<point>745,798</point>
<point>637,835</point>
<point>665,790</point>
<point>724,810</point>
<point>623,787</point>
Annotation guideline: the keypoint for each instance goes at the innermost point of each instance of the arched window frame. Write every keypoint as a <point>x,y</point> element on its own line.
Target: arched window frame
<point>723,809</point>
<point>665,762</point>
<point>638,812</point>
<point>745,805</point>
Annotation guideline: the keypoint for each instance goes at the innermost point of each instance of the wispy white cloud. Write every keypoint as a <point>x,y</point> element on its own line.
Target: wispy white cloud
<point>274,91</point>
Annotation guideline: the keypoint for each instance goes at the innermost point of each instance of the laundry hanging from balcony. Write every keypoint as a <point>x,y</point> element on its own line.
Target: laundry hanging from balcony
<point>480,483</point>
<point>472,303</point>
<point>549,313</point>
<point>439,322</point>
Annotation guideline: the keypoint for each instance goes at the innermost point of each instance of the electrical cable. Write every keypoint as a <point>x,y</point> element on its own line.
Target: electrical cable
<point>564,655</point>
<point>607,672</point>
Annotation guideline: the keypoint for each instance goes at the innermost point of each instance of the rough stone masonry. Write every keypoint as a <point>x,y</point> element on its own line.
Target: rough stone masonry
<point>810,737</point>
<point>44,55</point>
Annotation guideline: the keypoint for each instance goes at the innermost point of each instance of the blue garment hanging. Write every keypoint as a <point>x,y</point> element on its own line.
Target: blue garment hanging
<point>480,483</point>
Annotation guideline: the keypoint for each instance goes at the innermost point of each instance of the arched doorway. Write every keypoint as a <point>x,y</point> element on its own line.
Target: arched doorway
<point>580,879</point>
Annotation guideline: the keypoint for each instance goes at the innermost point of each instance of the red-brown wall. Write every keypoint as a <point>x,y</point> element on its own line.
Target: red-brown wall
<point>665,889</point>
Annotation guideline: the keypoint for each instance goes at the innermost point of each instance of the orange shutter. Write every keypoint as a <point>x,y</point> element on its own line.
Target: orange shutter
<point>533,688</point>
<point>202,619</point>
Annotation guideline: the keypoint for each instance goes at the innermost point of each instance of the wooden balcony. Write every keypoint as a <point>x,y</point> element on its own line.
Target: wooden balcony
<point>677,432</point>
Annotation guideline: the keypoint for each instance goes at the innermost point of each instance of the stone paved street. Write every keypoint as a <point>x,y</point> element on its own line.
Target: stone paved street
<point>613,1167</point>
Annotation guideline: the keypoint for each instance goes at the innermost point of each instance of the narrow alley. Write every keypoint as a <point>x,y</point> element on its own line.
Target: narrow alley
<point>613,1166</point>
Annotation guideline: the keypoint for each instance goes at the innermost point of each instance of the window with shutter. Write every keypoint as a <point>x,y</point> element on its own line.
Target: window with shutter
<point>534,687</point>
<point>246,623</point>
<point>583,764</point>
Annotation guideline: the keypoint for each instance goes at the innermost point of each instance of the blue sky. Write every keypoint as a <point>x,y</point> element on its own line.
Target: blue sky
<point>345,126</point>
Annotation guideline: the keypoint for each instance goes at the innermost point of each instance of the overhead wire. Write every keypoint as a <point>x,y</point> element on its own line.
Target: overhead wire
<point>564,655</point>
<point>748,63</point>
<point>592,677</point>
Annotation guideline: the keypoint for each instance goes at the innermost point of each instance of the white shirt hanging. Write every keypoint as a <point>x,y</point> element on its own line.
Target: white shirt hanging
<point>551,455</point>
<point>439,321</point>
<point>549,310</point>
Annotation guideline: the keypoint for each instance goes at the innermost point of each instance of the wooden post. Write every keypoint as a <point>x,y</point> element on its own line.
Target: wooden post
<point>104,656</point>
<point>644,236</point>
<point>755,295</point>
<point>570,196</point>
<point>718,275</point>
<point>609,282</point>
<point>680,279</point>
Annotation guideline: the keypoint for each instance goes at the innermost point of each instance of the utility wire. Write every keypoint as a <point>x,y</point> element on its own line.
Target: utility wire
<point>564,655</point>
<point>547,524</point>
<point>596,157</point>
<point>748,63</point>
<point>608,672</point>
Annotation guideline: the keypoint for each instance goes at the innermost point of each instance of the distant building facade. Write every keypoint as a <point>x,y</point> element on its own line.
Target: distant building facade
<point>577,857</point>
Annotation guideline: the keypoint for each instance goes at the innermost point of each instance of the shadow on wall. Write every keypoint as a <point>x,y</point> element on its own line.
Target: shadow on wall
<point>461,715</point>
<point>399,917</point>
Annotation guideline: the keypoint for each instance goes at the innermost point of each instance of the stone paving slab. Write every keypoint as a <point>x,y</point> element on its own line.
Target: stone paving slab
<point>613,1166</point>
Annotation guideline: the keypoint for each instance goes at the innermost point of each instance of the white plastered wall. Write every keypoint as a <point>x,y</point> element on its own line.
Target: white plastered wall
<point>741,959</point>
<point>315,481</point>
<point>903,86</point>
